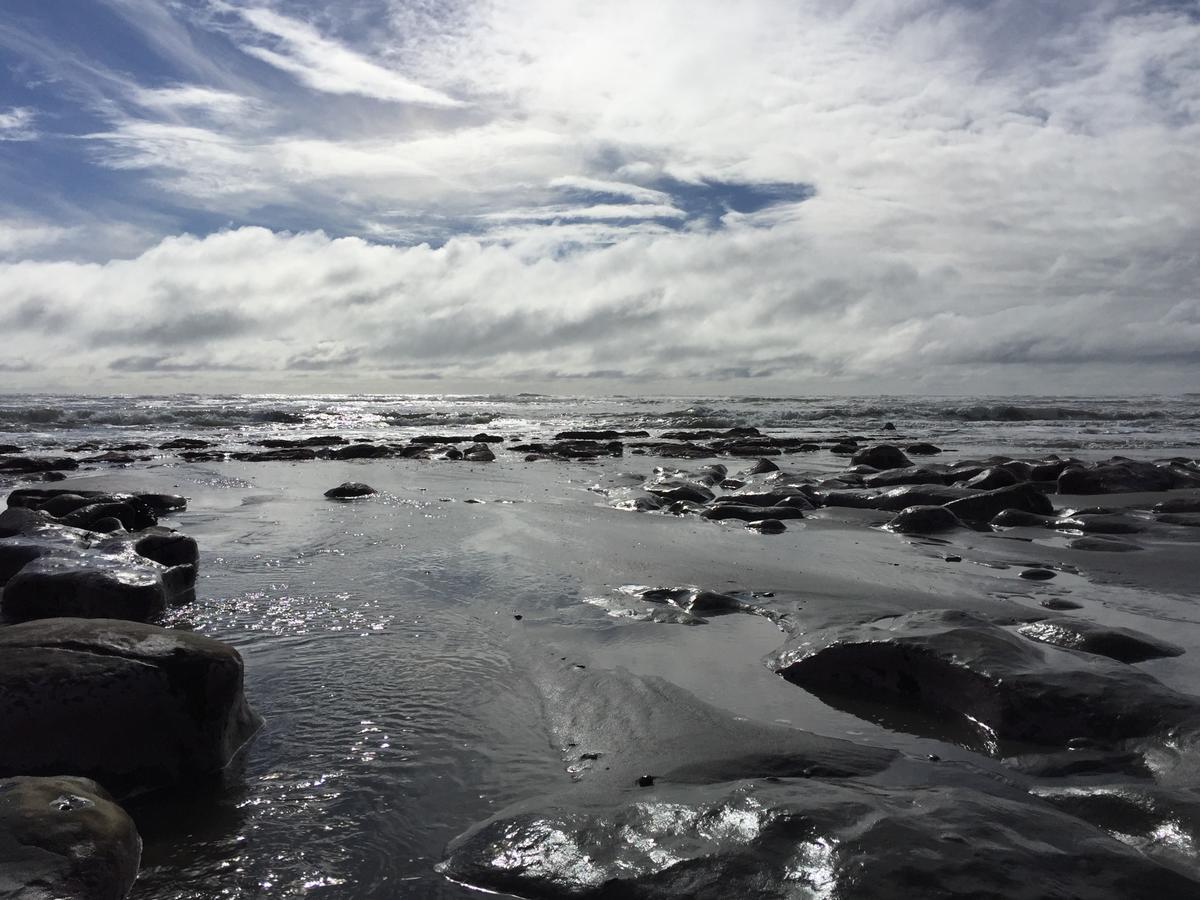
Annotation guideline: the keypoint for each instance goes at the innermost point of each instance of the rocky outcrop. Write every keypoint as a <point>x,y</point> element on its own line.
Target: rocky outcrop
<point>133,706</point>
<point>63,838</point>
<point>948,663</point>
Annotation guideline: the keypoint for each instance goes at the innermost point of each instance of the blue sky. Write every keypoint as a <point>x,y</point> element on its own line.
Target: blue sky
<point>992,195</point>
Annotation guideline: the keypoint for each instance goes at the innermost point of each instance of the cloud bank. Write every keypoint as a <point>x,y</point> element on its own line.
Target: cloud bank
<point>943,197</point>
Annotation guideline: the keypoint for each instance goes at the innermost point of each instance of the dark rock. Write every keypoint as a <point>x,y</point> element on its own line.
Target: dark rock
<point>479,453</point>
<point>950,663</point>
<point>889,426</point>
<point>349,489</point>
<point>1103,545</point>
<point>905,476</point>
<point>924,520</point>
<point>27,464</point>
<point>694,600</point>
<point>1116,643</point>
<point>185,444</point>
<point>985,506</point>
<point>763,466</point>
<point>359,451</point>
<point>19,520</point>
<point>806,838</point>
<point>881,456</point>
<point>1127,476</point>
<point>1101,524</point>
<point>322,440</point>
<point>751,513</point>
<point>163,503</point>
<point>767,526</point>
<point>484,438</point>
<point>289,454</point>
<point>601,434</point>
<point>1178,505</point>
<point>133,706</point>
<point>770,498</point>
<point>844,449</point>
<point>1060,604</point>
<point>7,449</point>
<point>991,478</point>
<point>132,514</point>
<point>679,489</point>
<point>63,838</point>
<point>1019,518</point>
<point>1188,520</point>
<point>1036,574</point>
<point>922,449</point>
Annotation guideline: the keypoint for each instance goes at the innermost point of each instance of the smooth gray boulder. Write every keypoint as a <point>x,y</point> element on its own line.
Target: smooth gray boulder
<point>349,490</point>
<point>881,456</point>
<point>63,838</point>
<point>133,706</point>
<point>924,520</point>
<point>986,505</point>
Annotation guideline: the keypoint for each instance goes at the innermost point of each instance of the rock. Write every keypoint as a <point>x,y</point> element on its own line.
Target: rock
<point>948,663</point>
<point>991,478</point>
<point>1188,520</point>
<point>771,498</point>
<point>26,465</point>
<point>1103,545</point>
<point>763,466</point>
<point>984,507</point>
<point>907,475</point>
<point>185,444</point>
<point>678,489</point>
<point>358,451</point>
<point>94,586</point>
<point>133,706</point>
<point>479,453</point>
<point>1060,604</point>
<point>288,454</point>
<point>803,838</point>
<point>924,520</point>
<point>322,440</point>
<point>1036,574</point>
<point>767,526</point>
<point>19,520</point>
<point>132,513</point>
<point>720,511</point>
<point>897,498</point>
<point>162,504</point>
<point>922,449</point>
<point>350,489</point>
<point>693,600</point>
<point>881,456</point>
<point>1121,644</point>
<point>1127,476</point>
<point>63,838</point>
<point>1178,505</point>
<point>1019,518</point>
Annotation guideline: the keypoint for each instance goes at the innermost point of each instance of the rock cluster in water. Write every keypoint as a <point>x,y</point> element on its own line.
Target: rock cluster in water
<point>95,700</point>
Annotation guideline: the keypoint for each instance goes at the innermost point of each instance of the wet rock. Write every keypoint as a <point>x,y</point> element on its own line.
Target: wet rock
<point>323,440</point>
<point>1019,518</point>
<point>1104,545</point>
<point>1060,604</point>
<point>132,513</point>
<point>676,488</point>
<point>288,454</point>
<point>897,498</point>
<point>1178,505</point>
<point>908,475</point>
<point>94,585</point>
<point>1127,476</point>
<point>26,465</point>
<point>804,838</point>
<point>63,838</point>
<point>162,545</point>
<point>844,449</point>
<point>924,520</point>
<point>720,511</point>
<point>1036,574</point>
<point>18,520</point>
<point>185,444</point>
<point>350,489</point>
<point>767,526</point>
<point>1073,763</point>
<point>359,451</point>
<point>763,466</point>
<point>922,449</point>
<point>598,434</point>
<point>1188,520</point>
<point>881,456</point>
<point>1120,644</point>
<point>985,506</point>
<point>770,498</point>
<point>133,706</point>
<point>694,600</point>
<point>479,453</point>
<point>163,503</point>
<point>991,478</point>
<point>950,663</point>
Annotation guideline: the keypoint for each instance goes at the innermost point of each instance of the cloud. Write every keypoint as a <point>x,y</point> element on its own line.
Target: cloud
<point>327,66</point>
<point>16,124</point>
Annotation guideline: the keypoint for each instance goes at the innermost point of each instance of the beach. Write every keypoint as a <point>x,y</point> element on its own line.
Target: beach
<point>519,639</point>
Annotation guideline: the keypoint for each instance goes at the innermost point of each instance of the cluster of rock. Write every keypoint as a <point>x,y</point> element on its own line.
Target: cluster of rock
<point>95,701</point>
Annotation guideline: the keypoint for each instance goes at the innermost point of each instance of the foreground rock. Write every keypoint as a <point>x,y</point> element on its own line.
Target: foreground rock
<point>350,489</point>
<point>133,706</point>
<point>959,671</point>
<point>805,838</point>
<point>64,839</point>
<point>1121,644</point>
<point>924,520</point>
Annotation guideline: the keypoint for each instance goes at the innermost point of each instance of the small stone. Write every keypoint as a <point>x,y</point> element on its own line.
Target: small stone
<point>645,781</point>
<point>1036,574</point>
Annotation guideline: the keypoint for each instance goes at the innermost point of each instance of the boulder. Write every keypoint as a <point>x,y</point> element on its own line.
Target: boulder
<point>922,449</point>
<point>906,475</point>
<point>27,465</point>
<point>358,451</point>
<point>63,838</point>
<point>1126,476</point>
<point>350,489</point>
<point>1178,505</point>
<point>881,456</point>
<point>985,506</point>
<point>1104,545</point>
<point>951,664</point>
<point>1122,644</point>
<point>792,838</point>
<point>751,513</point>
<point>133,706</point>
<point>991,478</point>
<point>767,526</point>
<point>924,520</point>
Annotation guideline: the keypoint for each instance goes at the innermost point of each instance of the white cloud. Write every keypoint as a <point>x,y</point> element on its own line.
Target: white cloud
<point>326,65</point>
<point>17,124</point>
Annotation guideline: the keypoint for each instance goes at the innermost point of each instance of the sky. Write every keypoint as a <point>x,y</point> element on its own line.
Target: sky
<point>702,196</point>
